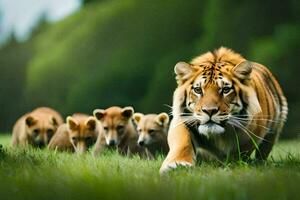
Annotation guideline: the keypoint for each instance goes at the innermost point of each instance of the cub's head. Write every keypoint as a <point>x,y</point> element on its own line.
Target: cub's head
<point>151,128</point>
<point>82,132</point>
<point>214,90</point>
<point>115,122</point>
<point>40,129</point>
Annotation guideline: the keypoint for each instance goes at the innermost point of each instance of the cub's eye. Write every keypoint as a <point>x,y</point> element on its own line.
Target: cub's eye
<point>197,90</point>
<point>105,128</point>
<point>36,132</point>
<point>120,128</point>
<point>226,90</point>
<point>50,133</point>
<point>139,130</point>
<point>151,131</point>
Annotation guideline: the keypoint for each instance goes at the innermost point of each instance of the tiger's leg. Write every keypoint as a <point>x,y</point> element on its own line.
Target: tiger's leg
<point>246,156</point>
<point>181,149</point>
<point>266,146</point>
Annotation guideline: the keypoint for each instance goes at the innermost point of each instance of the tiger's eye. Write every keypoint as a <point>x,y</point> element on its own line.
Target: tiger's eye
<point>197,90</point>
<point>226,90</point>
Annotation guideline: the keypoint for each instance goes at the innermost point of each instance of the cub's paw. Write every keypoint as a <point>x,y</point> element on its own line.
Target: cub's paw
<point>173,165</point>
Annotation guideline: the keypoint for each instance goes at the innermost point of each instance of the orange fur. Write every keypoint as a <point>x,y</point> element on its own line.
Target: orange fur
<point>36,128</point>
<point>222,98</point>
<point>152,130</point>
<point>77,135</point>
<point>117,130</point>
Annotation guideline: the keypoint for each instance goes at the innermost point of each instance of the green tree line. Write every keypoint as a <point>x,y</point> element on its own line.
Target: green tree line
<point>122,52</point>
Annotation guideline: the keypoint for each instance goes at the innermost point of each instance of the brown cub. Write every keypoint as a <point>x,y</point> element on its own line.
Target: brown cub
<point>152,130</point>
<point>77,135</point>
<point>117,131</point>
<point>36,128</point>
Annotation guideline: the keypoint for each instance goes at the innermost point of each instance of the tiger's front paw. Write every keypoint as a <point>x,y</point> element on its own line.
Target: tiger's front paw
<point>173,165</point>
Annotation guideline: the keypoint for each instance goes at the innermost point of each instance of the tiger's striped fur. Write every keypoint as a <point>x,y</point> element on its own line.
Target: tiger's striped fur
<point>224,106</point>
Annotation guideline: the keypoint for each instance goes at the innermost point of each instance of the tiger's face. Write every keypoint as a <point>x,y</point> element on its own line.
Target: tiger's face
<point>214,93</point>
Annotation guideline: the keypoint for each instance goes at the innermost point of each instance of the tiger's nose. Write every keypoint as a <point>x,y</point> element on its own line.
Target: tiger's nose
<point>210,110</point>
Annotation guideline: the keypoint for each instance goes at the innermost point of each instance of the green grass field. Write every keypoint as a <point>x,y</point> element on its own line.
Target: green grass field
<point>41,174</point>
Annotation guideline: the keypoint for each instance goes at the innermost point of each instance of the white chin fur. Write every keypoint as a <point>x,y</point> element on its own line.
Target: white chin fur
<point>211,129</point>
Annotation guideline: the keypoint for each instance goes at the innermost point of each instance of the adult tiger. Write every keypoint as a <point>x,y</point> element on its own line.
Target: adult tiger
<point>224,106</point>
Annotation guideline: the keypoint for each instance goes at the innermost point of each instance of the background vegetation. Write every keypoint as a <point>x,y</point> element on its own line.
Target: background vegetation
<point>122,52</point>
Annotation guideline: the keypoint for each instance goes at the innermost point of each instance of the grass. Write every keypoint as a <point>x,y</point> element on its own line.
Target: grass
<point>41,174</point>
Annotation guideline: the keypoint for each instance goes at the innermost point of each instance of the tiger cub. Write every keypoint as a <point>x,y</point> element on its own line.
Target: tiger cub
<point>118,131</point>
<point>36,128</point>
<point>152,130</point>
<point>78,134</point>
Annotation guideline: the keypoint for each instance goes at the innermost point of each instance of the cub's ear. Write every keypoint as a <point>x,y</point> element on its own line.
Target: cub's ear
<point>162,119</point>
<point>91,123</point>
<point>243,70</point>
<point>30,121</point>
<point>127,112</point>
<point>99,114</point>
<point>137,117</point>
<point>72,123</point>
<point>184,71</point>
<point>54,121</point>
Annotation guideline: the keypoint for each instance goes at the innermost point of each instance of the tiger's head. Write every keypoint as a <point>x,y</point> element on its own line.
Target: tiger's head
<point>213,89</point>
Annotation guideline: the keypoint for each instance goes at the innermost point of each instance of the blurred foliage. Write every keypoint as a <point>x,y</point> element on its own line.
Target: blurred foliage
<point>110,58</point>
<point>122,52</point>
<point>14,58</point>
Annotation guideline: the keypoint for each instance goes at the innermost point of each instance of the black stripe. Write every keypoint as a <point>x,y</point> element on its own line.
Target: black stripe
<point>229,62</point>
<point>268,80</point>
<point>244,104</point>
<point>183,105</point>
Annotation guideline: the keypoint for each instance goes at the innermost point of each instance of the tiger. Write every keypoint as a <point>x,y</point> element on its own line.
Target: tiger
<point>224,107</point>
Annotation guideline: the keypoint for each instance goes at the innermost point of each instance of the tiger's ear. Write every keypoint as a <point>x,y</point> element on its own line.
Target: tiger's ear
<point>127,112</point>
<point>137,117</point>
<point>243,70</point>
<point>72,123</point>
<point>162,119</point>
<point>99,114</point>
<point>184,71</point>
